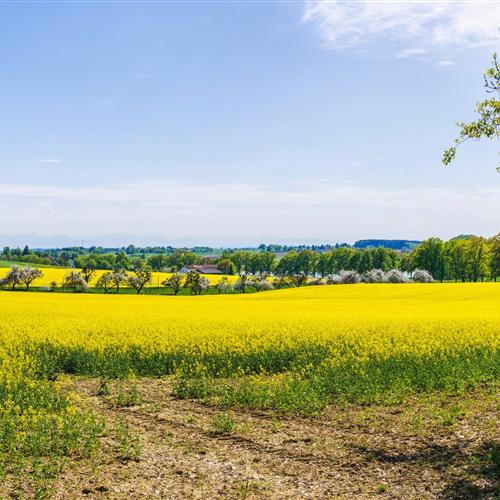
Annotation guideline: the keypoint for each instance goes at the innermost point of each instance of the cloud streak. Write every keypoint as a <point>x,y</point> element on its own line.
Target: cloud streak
<point>317,210</point>
<point>412,52</point>
<point>411,27</point>
<point>48,160</point>
<point>445,63</point>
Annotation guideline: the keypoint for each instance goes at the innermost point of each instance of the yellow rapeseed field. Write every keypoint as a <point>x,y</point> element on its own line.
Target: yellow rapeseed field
<point>291,350</point>
<point>259,332</point>
<point>414,318</point>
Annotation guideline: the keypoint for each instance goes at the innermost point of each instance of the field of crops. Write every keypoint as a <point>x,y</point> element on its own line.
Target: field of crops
<point>289,350</point>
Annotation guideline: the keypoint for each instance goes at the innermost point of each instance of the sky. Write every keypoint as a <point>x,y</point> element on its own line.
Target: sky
<point>236,123</point>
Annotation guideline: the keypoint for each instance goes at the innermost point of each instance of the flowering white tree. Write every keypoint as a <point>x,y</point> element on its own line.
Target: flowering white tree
<point>422,276</point>
<point>141,277</point>
<point>242,283</point>
<point>13,278</point>
<point>119,277</point>
<point>75,281</point>
<point>263,285</point>
<point>30,274</point>
<point>396,276</point>
<point>315,282</point>
<point>283,282</point>
<point>174,282</point>
<point>344,277</point>
<point>105,282</point>
<point>223,286</point>
<point>333,279</point>
<point>375,276</point>
<point>196,282</point>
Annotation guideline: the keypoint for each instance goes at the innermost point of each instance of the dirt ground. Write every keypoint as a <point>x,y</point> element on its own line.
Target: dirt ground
<point>428,447</point>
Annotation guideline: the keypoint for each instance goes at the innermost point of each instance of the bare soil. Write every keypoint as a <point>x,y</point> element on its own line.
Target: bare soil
<point>438,446</point>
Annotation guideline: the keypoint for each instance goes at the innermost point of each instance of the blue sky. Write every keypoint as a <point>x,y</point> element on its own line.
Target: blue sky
<point>236,123</point>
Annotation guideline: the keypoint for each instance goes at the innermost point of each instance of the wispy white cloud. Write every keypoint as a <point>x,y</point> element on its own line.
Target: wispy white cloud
<point>445,63</point>
<point>48,160</point>
<point>430,26</point>
<point>315,210</point>
<point>406,53</point>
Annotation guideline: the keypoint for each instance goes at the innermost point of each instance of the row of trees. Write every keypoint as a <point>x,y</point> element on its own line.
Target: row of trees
<point>77,281</point>
<point>462,259</point>
<point>467,258</point>
<point>309,262</point>
<point>121,260</point>
<point>102,258</point>
<point>20,277</point>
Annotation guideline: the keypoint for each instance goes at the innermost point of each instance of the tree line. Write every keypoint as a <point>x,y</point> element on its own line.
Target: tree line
<point>141,276</point>
<point>468,258</point>
<point>465,258</point>
<point>460,259</point>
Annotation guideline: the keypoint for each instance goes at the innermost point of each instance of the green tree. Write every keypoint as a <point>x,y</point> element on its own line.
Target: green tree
<point>383,258</point>
<point>365,262</point>
<point>268,260</point>
<point>324,264</point>
<point>89,269</point>
<point>495,257</point>
<point>159,261</point>
<point>430,255</point>
<point>287,265</point>
<point>239,259</point>
<point>477,258</point>
<point>181,258</point>
<point>341,259</point>
<point>488,122</point>
<point>122,261</point>
<point>226,266</point>
<point>407,263</point>
<point>307,261</point>
<point>457,257</point>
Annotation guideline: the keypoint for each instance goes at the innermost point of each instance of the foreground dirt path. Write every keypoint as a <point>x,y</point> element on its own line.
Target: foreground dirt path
<point>427,448</point>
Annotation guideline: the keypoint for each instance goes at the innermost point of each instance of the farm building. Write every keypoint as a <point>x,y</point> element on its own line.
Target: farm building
<point>202,268</point>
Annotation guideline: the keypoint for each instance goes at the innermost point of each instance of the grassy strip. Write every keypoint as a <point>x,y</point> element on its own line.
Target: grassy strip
<point>305,378</point>
<point>376,380</point>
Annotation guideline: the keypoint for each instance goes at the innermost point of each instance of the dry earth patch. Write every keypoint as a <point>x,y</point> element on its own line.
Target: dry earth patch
<point>438,446</point>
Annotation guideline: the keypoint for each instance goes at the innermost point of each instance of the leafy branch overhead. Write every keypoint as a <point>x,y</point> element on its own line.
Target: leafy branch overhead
<point>488,122</point>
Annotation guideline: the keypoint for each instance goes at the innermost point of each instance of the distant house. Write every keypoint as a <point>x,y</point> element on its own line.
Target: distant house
<point>202,269</point>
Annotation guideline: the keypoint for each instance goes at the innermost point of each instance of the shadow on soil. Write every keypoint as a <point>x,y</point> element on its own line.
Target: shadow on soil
<point>465,475</point>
